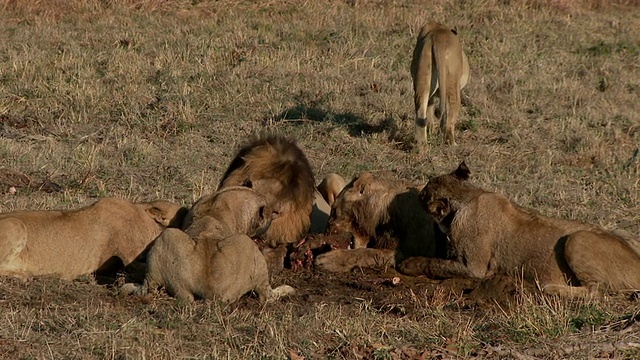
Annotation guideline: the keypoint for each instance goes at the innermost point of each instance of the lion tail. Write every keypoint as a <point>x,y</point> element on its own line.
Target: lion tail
<point>439,59</point>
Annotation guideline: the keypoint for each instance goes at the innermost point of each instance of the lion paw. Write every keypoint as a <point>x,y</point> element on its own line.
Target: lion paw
<point>335,260</point>
<point>132,289</point>
<point>281,291</point>
<point>414,266</point>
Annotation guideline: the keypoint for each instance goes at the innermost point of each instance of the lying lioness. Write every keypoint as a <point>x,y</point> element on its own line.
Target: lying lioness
<point>77,242</point>
<point>213,256</point>
<point>490,234</point>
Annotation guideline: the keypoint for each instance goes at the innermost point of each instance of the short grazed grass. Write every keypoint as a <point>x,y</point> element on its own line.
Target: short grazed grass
<point>149,99</point>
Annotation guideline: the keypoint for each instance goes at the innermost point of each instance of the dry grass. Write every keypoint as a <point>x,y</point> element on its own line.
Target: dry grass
<point>148,99</point>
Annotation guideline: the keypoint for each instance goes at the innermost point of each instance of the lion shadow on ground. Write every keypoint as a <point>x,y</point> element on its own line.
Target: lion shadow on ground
<point>355,124</point>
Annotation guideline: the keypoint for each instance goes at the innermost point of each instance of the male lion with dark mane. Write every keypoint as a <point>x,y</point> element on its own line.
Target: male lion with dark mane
<point>277,169</point>
<point>386,222</point>
<point>213,256</point>
<point>489,234</point>
<point>69,243</point>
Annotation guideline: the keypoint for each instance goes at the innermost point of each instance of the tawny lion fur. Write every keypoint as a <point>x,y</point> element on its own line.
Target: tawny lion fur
<point>213,255</point>
<point>278,170</point>
<point>489,234</point>
<point>386,221</point>
<point>439,68</point>
<point>76,242</point>
<point>324,196</point>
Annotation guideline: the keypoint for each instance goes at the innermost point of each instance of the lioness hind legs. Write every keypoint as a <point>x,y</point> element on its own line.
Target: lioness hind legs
<point>449,118</point>
<point>421,131</point>
<point>603,260</point>
<point>425,120</point>
<point>262,285</point>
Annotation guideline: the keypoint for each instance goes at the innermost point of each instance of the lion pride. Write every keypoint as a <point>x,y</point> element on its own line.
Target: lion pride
<point>490,234</point>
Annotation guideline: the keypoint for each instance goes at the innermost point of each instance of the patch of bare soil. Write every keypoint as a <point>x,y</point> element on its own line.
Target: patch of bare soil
<point>393,293</point>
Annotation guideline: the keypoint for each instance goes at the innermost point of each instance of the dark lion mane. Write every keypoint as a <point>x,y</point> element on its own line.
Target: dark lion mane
<point>276,158</point>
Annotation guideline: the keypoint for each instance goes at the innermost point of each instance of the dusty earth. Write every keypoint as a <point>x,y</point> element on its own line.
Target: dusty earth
<point>383,291</point>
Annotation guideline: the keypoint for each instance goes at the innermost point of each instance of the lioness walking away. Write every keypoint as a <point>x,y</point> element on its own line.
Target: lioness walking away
<point>489,234</point>
<point>439,68</point>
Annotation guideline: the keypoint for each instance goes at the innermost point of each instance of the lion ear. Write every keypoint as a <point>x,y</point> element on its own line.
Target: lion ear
<point>462,172</point>
<point>161,216</point>
<point>265,212</point>
<point>442,208</point>
<point>361,187</point>
<point>158,215</point>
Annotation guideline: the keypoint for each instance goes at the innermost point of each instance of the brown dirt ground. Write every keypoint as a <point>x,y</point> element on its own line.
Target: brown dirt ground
<point>376,287</point>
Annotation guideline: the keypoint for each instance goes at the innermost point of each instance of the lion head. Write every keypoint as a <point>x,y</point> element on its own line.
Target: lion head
<point>363,209</point>
<point>444,195</point>
<point>235,210</point>
<point>277,169</point>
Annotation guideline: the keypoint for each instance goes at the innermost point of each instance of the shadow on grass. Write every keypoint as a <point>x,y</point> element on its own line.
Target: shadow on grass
<point>355,124</point>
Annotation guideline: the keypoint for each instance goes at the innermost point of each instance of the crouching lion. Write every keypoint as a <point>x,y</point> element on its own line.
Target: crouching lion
<point>386,222</point>
<point>277,169</point>
<point>213,256</point>
<point>439,68</point>
<point>489,234</point>
<point>77,242</point>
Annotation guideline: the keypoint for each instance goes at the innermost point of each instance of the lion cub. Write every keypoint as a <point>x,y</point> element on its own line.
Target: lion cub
<point>213,256</point>
<point>491,235</point>
<point>78,242</point>
<point>439,68</point>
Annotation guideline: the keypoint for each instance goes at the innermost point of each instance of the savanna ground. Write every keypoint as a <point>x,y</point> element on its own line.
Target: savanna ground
<point>149,99</point>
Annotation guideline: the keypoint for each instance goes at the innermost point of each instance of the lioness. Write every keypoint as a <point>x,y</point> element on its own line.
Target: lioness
<point>76,242</point>
<point>439,68</point>
<point>489,234</point>
<point>386,222</point>
<point>213,256</point>
<point>278,170</point>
